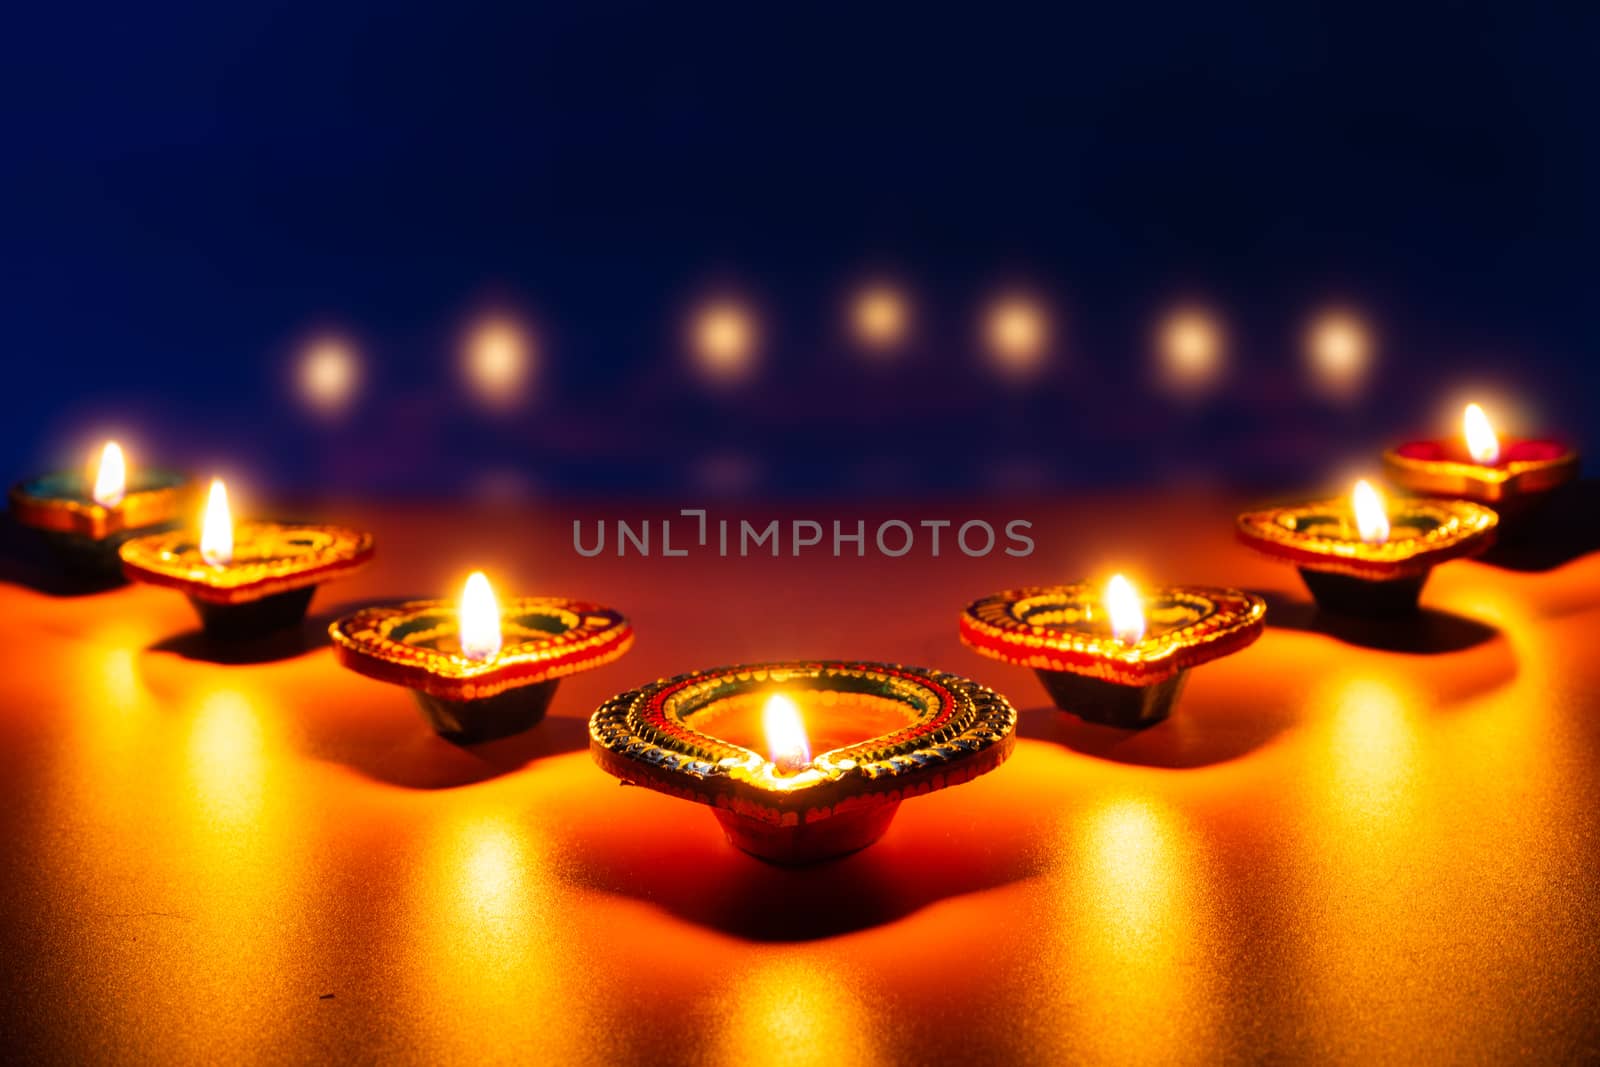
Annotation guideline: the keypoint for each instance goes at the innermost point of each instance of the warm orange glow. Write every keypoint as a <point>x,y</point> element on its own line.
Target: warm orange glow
<point>329,375</point>
<point>1125,610</point>
<point>723,339</point>
<point>216,532</point>
<point>787,744</point>
<point>498,361</point>
<point>1339,348</point>
<point>1372,517</point>
<point>479,619</point>
<point>111,476</point>
<point>880,317</point>
<point>1482,444</point>
<point>1018,334</point>
<point>1191,348</point>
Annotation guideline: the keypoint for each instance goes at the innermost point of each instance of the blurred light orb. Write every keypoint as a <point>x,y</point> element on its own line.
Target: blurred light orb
<point>1339,351</point>
<point>722,338</point>
<point>498,361</point>
<point>330,375</point>
<point>880,317</point>
<point>1191,347</point>
<point>1017,333</point>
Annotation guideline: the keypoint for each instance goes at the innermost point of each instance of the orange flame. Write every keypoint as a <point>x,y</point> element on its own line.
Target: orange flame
<point>787,744</point>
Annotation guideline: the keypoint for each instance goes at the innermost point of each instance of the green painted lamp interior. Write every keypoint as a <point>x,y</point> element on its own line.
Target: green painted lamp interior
<point>855,709</point>
<point>440,630</point>
<point>1162,614</point>
<point>76,487</point>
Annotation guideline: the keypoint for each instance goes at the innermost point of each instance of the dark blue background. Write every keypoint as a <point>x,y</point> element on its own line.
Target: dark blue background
<point>189,191</point>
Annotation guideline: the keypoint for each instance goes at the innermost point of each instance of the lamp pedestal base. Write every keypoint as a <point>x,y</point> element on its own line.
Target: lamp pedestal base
<point>812,842</point>
<point>1342,594</point>
<point>253,618</point>
<point>467,722</point>
<point>1127,707</point>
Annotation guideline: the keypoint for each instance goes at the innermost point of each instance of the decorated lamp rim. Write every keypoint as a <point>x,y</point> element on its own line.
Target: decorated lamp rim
<point>962,730</point>
<point>591,636</point>
<point>153,498</point>
<point>1492,482</point>
<point>1225,621</point>
<point>173,560</point>
<point>1462,528</point>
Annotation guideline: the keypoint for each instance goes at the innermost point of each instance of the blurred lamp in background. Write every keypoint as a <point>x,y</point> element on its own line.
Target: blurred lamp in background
<point>1016,334</point>
<point>329,376</point>
<point>498,361</point>
<point>723,340</point>
<point>1190,347</point>
<point>1339,352</point>
<point>880,318</point>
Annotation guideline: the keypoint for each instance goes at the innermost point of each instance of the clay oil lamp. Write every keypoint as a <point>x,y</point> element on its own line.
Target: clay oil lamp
<point>1365,556</point>
<point>803,762</point>
<point>478,671</point>
<point>1511,475</point>
<point>1113,657</point>
<point>246,579</point>
<point>85,517</point>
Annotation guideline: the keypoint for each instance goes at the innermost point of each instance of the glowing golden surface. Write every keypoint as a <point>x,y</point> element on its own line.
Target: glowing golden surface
<point>1332,854</point>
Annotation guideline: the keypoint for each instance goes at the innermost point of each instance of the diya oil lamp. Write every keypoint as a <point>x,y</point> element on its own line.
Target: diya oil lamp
<point>1365,556</point>
<point>246,579</point>
<point>1116,658</point>
<point>803,762</point>
<point>86,517</point>
<point>1510,475</point>
<point>479,672</point>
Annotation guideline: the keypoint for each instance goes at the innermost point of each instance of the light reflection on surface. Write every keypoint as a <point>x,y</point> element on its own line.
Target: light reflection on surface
<point>1131,935</point>
<point>227,760</point>
<point>788,1011</point>
<point>487,953</point>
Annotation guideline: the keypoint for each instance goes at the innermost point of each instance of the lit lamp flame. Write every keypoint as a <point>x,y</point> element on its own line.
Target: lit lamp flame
<point>787,745</point>
<point>1482,443</point>
<point>1372,519</point>
<point>479,619</point>
<point>1125,610</point>
<point>111,477</point>
<point>216,532</point>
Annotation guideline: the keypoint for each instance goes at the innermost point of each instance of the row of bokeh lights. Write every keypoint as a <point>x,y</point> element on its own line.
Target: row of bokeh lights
<point>723,340</point>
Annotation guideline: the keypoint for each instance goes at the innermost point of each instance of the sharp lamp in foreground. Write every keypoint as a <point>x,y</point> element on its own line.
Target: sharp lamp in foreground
<point>1509,474</point>
<point>246,579</point>
<point>1365,556</point>
<point>741,739</point>
<point>480,671</point>
<point>1113,657</point>
<point>86,517</point>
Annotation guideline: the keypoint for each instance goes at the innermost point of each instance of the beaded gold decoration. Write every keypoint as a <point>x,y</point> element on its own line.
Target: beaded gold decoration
<point>268,558</point>
<point>417,645</point>
<point>1443,468</point>
<point>1064,628</point>
<point>1322,536</point>
<point>954,730</point>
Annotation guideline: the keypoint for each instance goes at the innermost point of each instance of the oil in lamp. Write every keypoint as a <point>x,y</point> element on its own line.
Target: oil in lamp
<point>1509,474</point>
<point>86,517</point>
<point>1113,657</point>
<point>1365,556</point>
<point>246,579</point>
<point>479,672</point>
<point>803,762</point>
